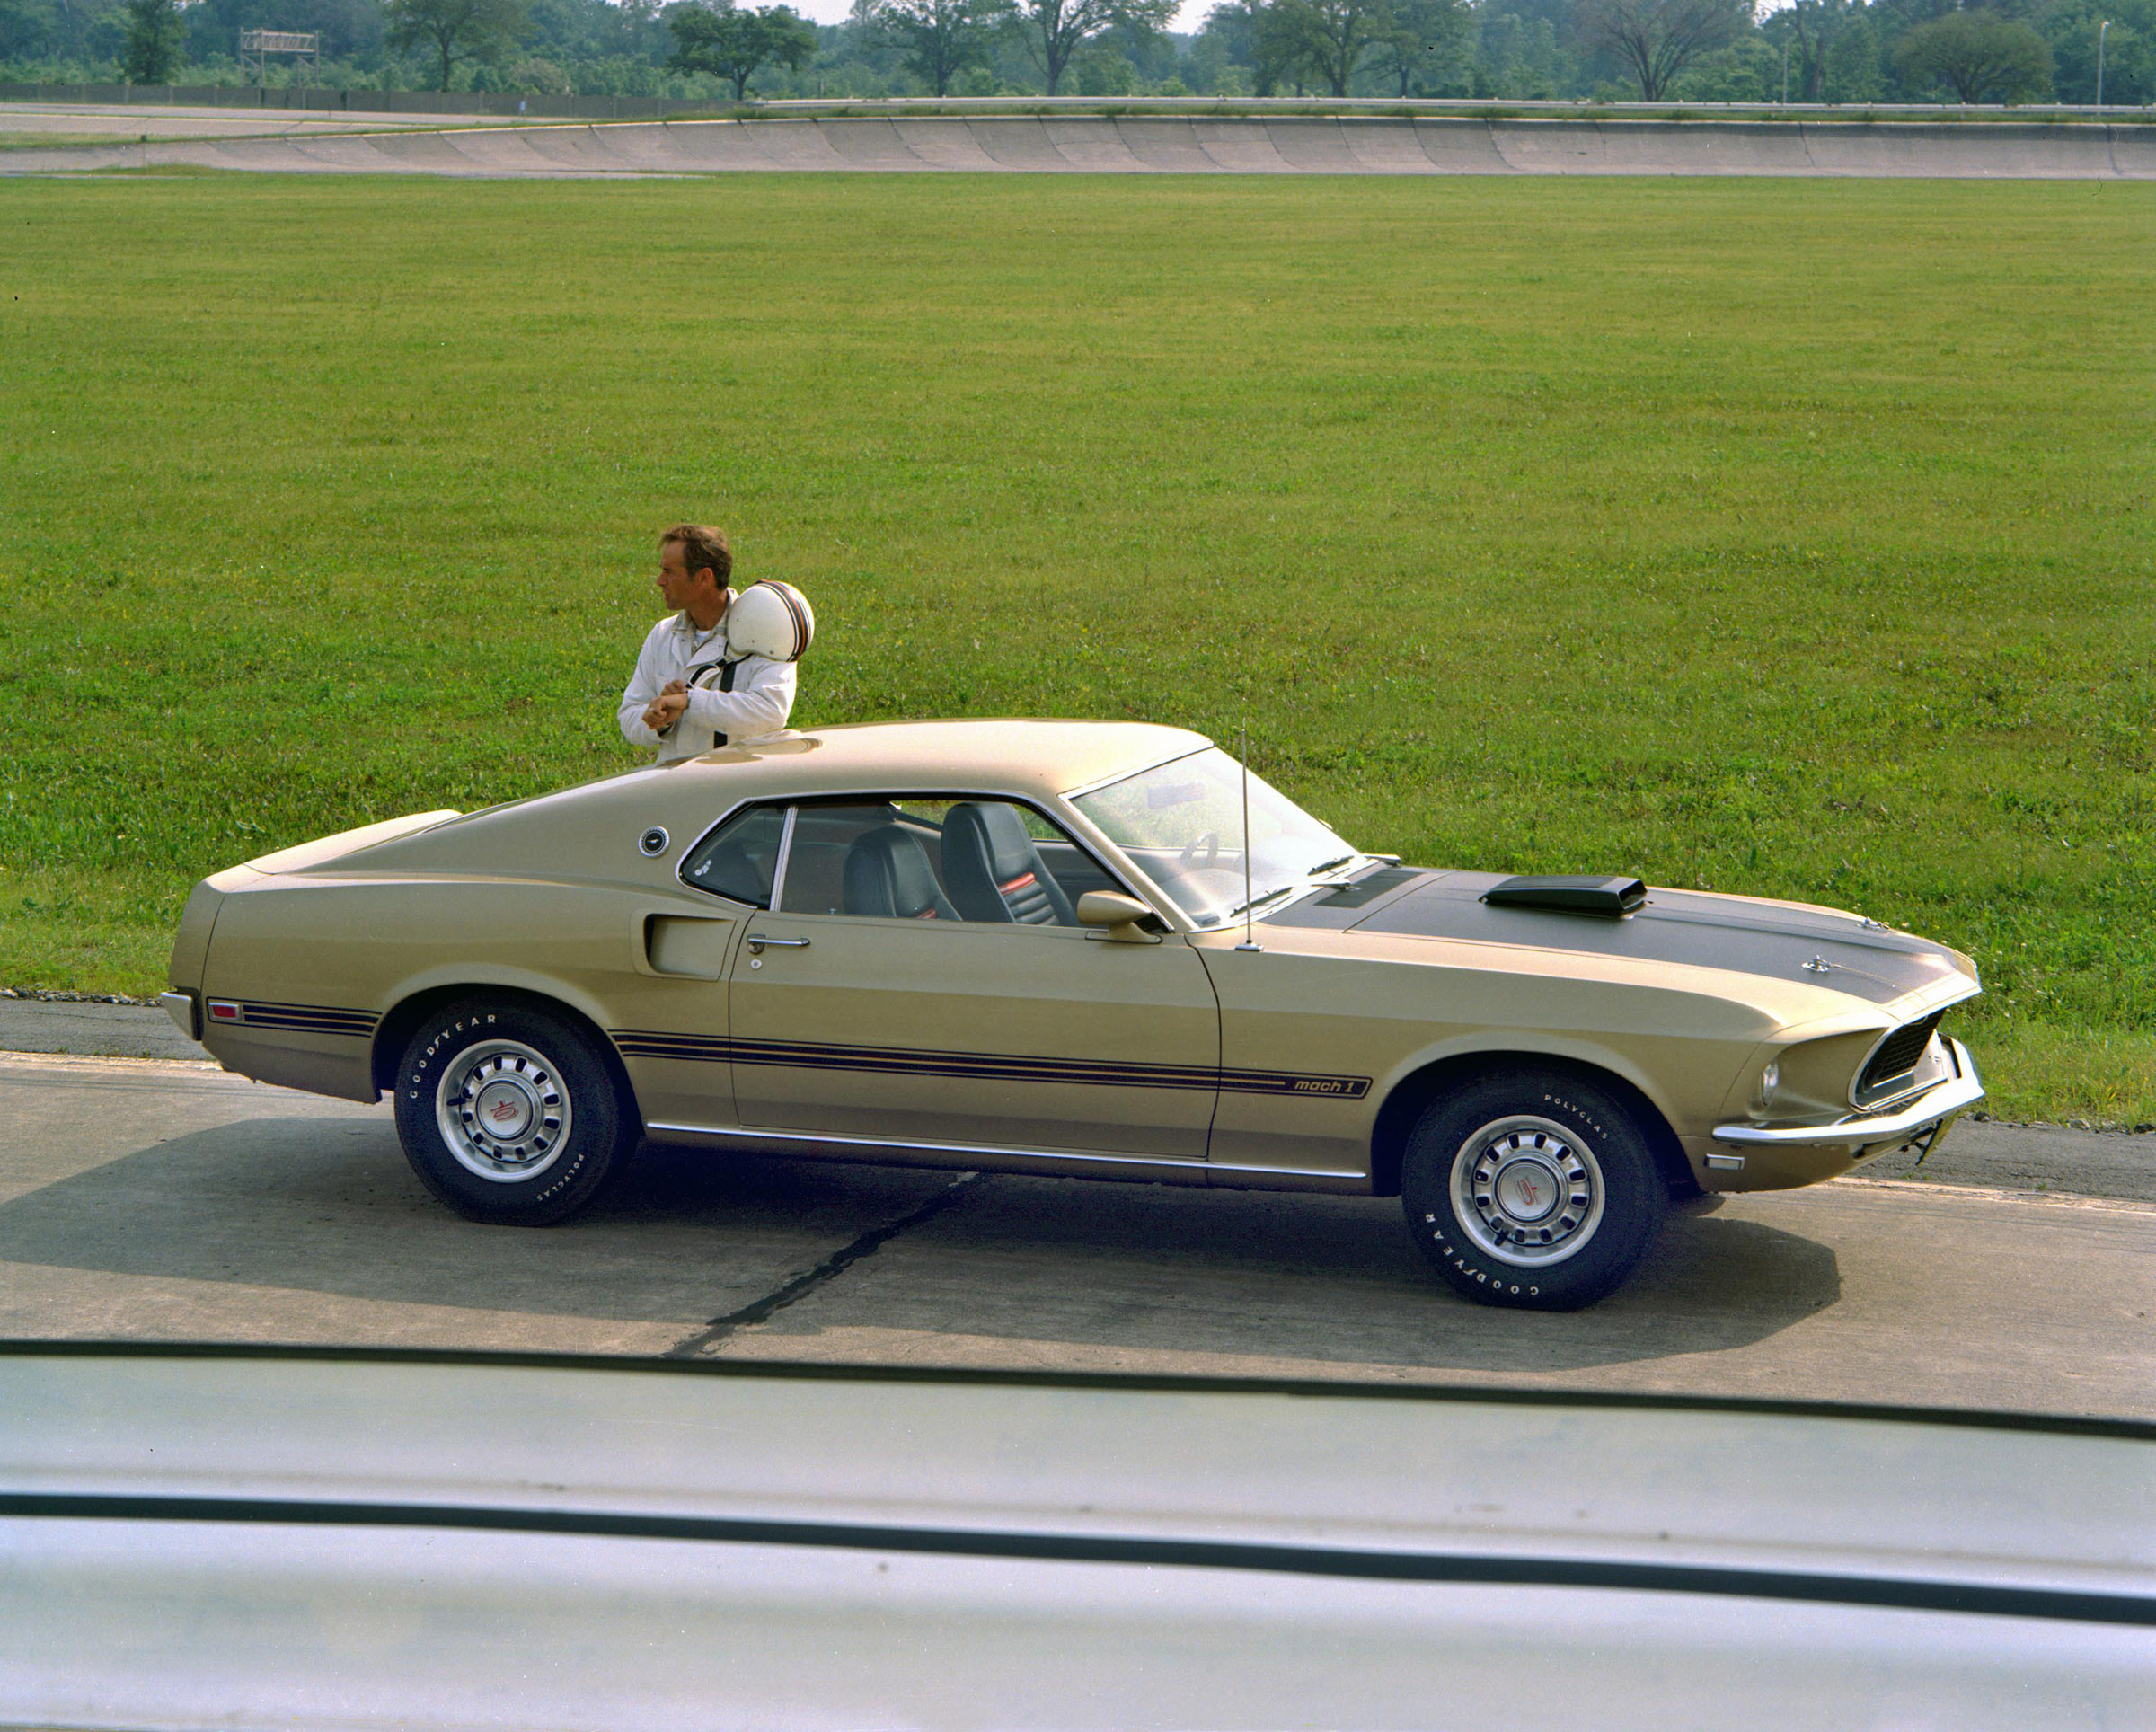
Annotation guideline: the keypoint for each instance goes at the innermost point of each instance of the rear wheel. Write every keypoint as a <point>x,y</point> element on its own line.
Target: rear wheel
<point>509,1114</point>
<point>1532,1189</point>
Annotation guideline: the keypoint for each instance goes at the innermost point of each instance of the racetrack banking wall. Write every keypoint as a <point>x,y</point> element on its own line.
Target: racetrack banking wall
<point>1126,144</point>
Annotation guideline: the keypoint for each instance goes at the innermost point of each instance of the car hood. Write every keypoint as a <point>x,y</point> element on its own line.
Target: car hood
<point>1780,941</point>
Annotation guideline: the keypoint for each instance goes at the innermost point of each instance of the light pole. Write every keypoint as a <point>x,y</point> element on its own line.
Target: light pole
<point>2099,63</point>
<point>1785,72</point>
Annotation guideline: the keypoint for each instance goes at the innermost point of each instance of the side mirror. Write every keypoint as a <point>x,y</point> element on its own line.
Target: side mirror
<point>1118,912</point>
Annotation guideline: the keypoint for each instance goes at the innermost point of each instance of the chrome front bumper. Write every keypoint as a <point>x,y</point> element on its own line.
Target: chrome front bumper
<point>1957,1094</point>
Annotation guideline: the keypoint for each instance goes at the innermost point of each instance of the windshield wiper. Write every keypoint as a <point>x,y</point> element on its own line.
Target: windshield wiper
<point>1343,859</point>
<point>1259,901</point>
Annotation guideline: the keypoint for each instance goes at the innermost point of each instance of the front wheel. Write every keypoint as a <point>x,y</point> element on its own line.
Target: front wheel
<point>1532,1189</point>
<point>508,1113</point>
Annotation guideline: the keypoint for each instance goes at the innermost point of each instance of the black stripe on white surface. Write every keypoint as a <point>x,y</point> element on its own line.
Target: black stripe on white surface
<point>1363,1564</point>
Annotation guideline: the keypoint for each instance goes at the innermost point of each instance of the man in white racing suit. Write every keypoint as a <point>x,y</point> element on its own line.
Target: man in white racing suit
<point>690,693</point>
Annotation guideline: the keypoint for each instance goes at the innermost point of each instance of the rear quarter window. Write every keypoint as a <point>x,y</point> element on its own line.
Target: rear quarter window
<point>737,859</point>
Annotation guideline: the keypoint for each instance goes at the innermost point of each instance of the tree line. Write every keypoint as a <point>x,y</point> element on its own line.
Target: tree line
<point>1811,51</point>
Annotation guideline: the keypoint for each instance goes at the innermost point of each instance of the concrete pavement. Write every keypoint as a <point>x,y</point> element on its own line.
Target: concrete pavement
<point>155,1199</point>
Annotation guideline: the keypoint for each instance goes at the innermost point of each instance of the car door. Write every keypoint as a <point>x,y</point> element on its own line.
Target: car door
<point>673,1039</point>
<point>869,1006</point>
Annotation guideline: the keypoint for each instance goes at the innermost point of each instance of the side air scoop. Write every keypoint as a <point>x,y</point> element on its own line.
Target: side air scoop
<point>1570,895</point>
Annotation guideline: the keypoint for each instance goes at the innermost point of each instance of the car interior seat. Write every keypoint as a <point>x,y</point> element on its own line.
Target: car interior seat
<point>888,874</point>
<point>994,872</point>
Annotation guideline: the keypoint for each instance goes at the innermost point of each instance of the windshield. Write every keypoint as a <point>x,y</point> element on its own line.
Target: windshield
<point>1182,822</point>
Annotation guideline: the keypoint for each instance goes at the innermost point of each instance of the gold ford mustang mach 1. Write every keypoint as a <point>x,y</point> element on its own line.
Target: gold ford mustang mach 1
<point>1084,949</point>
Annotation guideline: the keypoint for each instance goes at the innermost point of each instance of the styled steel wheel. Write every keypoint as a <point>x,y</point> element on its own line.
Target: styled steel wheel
<point>1532,1189</point>
<point>503,1111</point>
<point>1527,1191</point>
<point>509,1113</point>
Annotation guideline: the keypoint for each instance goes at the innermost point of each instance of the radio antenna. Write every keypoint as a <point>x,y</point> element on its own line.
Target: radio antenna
<point>1249,941</point>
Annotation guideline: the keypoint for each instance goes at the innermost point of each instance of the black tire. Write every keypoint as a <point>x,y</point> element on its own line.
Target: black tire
<point>1532,1189</point>
<point>509,1113</point>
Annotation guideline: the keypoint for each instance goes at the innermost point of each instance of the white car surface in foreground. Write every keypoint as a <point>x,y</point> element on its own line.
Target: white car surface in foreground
<point>215,1537</point>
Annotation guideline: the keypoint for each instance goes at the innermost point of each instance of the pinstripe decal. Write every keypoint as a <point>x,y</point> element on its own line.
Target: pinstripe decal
<point>1008,1067</point>
<point>303,1019</point>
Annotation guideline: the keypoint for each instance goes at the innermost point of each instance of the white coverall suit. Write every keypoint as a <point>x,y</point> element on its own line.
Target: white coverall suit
<point>731,698</point>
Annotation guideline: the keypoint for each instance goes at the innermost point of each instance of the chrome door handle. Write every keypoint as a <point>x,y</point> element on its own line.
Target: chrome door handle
<point>756,941</point>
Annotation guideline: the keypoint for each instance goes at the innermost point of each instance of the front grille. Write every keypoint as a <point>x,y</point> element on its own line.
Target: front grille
<point>1897,1056</point>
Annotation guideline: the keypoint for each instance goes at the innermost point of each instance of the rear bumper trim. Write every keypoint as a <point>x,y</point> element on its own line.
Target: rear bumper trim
<point>185,1012</point>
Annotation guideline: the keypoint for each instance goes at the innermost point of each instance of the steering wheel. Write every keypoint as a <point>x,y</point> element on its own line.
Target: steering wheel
<point>1208,844</point>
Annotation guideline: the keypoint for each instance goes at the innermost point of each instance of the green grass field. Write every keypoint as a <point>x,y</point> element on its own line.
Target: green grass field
<point>1786,537</point>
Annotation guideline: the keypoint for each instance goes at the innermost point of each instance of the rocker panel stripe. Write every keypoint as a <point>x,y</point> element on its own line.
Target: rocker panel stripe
<point>1014,1067</point>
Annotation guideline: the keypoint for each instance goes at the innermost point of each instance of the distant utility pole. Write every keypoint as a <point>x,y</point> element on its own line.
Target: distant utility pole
<point>2100,62</point>
<point>1785,73</point>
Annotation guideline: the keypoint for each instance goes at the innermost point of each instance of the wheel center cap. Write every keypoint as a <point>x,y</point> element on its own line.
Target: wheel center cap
<point>503,1111</point>
<point>1527,1190</point>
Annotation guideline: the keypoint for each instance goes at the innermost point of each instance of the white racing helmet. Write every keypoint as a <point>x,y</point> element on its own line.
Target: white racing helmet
<point>770,618</point>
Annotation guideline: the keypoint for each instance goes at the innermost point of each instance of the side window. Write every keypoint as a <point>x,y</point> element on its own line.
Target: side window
<point>834,845</point>
<point>737,860</point>
<point>934,857</point>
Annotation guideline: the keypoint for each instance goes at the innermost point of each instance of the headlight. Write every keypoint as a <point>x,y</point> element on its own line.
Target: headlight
<point>1811,1080</point>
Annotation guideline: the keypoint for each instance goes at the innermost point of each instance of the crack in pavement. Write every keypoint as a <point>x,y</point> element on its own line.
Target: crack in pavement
<point>760,1311</point>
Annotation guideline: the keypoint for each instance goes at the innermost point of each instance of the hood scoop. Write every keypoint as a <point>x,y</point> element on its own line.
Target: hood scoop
<point>1609,896</point>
